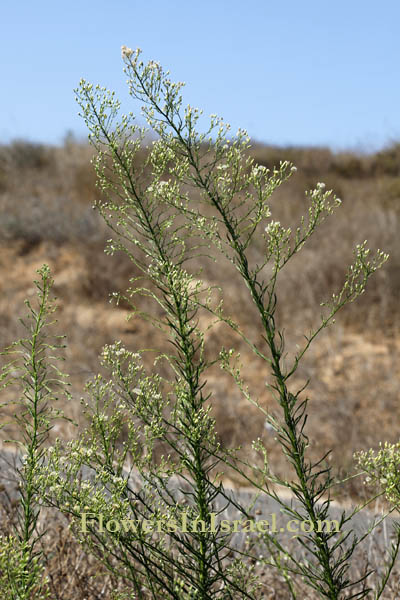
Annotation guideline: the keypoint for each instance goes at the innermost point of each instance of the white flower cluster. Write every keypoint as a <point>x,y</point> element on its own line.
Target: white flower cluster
<point>273,228</point>
<point>157,188</point>
<point>112,351</point>
<point>259,170</point>
<point>383,468</point>
<point>126,52</point>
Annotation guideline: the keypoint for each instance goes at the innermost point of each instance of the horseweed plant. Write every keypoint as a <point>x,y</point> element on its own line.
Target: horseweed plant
<point>33,371</point>
<point>150,454</point>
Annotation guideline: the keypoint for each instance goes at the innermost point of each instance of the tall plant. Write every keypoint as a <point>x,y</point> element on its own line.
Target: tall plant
<point>163,426</point>
<point>32,371</point>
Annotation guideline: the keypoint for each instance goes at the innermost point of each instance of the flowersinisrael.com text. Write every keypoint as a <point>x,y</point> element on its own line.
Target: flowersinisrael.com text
<point>91,521</point>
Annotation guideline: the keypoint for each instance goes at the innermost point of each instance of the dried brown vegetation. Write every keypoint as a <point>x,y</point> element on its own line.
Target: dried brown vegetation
<point>46,215</point>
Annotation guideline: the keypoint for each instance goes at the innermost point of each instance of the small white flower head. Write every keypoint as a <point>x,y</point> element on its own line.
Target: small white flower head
<point>321,186</point>
<point>293,169</point>
<point>126,52</point>
<point>272,227</point>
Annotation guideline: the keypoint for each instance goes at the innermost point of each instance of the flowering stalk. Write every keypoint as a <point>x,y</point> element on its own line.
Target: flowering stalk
<point>22,569</point>
<point>154,414</point>
<point>230,177</point>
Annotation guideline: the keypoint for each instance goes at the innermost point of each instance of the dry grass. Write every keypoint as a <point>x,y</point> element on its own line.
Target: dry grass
<point>46,197</point>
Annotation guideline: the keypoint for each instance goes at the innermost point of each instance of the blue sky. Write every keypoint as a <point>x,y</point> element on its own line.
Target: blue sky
<point>312,72</point>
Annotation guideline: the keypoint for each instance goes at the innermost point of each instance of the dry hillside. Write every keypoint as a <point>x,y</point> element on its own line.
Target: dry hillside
<point>46,215</point>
